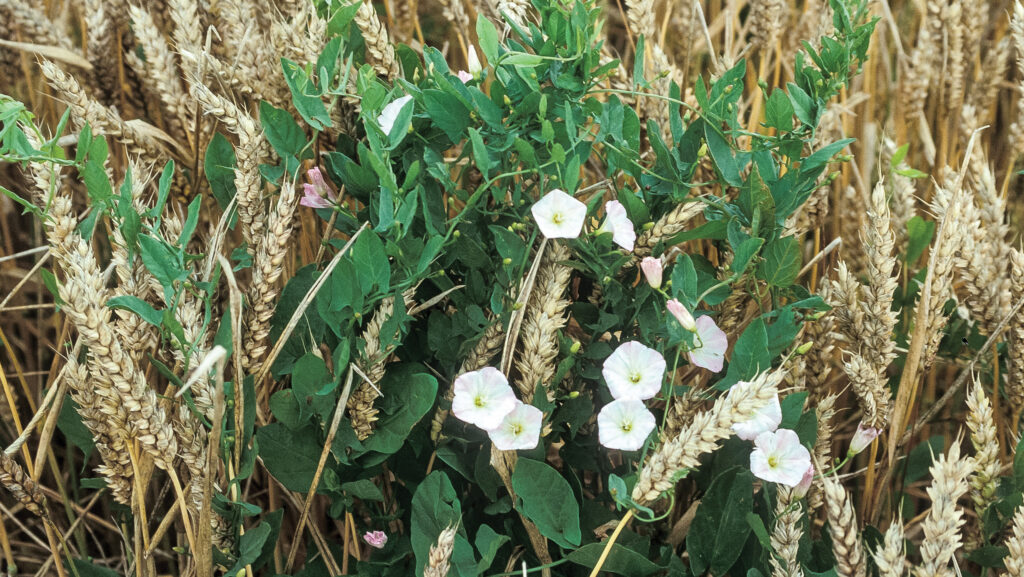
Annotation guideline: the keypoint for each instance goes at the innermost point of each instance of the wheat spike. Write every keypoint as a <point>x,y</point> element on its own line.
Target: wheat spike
<point>842,525</point>
<point>890,556</point>
<point>545,316</point>
<point>379,49</point>
<point>1014,562</point>
<point>942,525</point>
<point>24,489</point>
<point>438,563</point>
<point>702,435</point>
<point>786,535</point>
<point>985,478</point>
<point>666,227</point>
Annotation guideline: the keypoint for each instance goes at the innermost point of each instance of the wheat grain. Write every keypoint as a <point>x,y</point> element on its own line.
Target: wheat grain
<point>890,556</point>
<point>942,525</point>
<point>786,535</point>
<point>379,50</point>
<point>985,478</point>
<point>438,562</point>
<point>1014,561</point>
<point>24,489</point>
<point>842,526</point>
<point>544,318</point>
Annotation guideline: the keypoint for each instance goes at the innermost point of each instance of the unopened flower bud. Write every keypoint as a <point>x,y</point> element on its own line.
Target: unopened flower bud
<point>652,270</point>
<point>862,439</point>
<point>800,491</point>
<point>473,62</point>
<point>506,261</point>
<point>802,349</point>
<point>682,315</point>
<point>575,348</point>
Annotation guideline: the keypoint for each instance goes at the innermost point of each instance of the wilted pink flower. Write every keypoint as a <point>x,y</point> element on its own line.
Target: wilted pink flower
<point>862,439</point>
<point>682,315</point>
<point>376,539</point>
<point>652,271</point>
<point>317,193</point>
<point>778,457</point>
<point>616,221</point>
<point>709,351</point>
<point>559,215</point>
<point>767,418</point>
<point>464,76</point>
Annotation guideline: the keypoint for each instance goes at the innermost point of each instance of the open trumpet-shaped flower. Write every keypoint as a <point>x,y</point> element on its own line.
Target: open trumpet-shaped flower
<point>376,539</point>
<point>624,424</point>
<point>765,419</point>
<point>634,371</point>
<point>483,398</point>
<point>387,117</point>
<point>778,457</point>
<point>520,429</point>
<point>709,349</point>
<point>617,222</point>
<point>559,215</point>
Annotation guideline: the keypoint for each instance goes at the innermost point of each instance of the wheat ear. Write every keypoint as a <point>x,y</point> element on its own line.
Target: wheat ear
<point>544,318</point>
<point>24,489</point>
<point>438,563</point>
<point>942,525</point>
<point>786,535</point>
<point>1014,562</point>
<point>842,526</point>
<point>891,555</point>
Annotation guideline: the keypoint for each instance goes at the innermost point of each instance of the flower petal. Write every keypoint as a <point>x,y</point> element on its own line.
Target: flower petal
<point>634,371</point>
<point>483,398</point>
<point>625,424</point>
<point>713,343</point>
<point>559,215</point>
<point>767,418</point>
<point>520,429</point>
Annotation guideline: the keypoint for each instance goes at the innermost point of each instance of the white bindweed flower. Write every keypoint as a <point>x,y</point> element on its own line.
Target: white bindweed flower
<point>634,371</point>
<point>652,271</point>
<point>767,418</point>
<point>624,424</point>
<point>616,221</point>
<point>709,348</point>
<point>862,439</point>
<point>778,457</point>
<point>473,62</point>
<point>559,215</point>
<point>387,117</point>
<point>682,315</point>
<point>520,429</point>
<point>483,398</point>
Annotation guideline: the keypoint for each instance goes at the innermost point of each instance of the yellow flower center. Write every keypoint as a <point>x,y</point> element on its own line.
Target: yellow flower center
<point>773,461</point>
<point>557,218</point>
<point>479,401</point>
<point>627,427</point>
<point>517,429</point>
<point>634,378</point>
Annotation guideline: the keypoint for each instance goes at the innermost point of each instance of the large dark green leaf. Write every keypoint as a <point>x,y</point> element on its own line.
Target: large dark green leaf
<point>435,507</point>
<point>290,456</point>
<point>546,498</point>
<point>720,527</point>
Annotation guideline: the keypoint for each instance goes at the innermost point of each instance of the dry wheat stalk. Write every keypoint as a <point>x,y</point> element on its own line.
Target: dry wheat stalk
<point>825,412</point>
<point>786,535</point>
<point>24,489</point>
<point>160,73</point>
<point>544,318</point>
<point>101,45</point>
<point>891,556</point>
<point>103,120</point>
<point>984,479</point>
<point>122,382</point>
<point>269,257</point>
<point>842,526</point>
<point>666,227</point>
<point>702,435</point>
<point>440,554</point>
<point>942,525</point>
<point>379,50</point>
<point>1015,335</point>
<point>1016,134</point>
<point>361,411</point>
<point>1014,562</point>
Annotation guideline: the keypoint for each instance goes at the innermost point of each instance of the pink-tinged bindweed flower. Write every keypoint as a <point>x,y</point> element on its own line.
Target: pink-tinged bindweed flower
<point>862,439</point>
<point>682,315</point>
<point>710,345</point>
<point>464,76</point>
<point>778,457</point>
<point>317,193</point>
<point>624,424</point>
<point>387,117</point>
<point>800,491</point>
<point>617,222</point>
<point>376,539</point>
<point>634,371</point>
<point>652,271</point>
<point>765,419</point>
<point>483,398</point>
<point>559,215</point>
<point>520,429</point>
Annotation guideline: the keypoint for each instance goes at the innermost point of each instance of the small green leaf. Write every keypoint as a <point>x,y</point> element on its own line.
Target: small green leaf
<point>781,263</point>
<point>779,111</point>
<point>919,236</point>
<point>137,306</point>
<point>219,164</point>
<point>305,95</point>
<point>488,37</point>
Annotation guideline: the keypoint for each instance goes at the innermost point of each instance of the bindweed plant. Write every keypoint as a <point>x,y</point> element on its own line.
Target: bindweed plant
<point>335,304</point>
